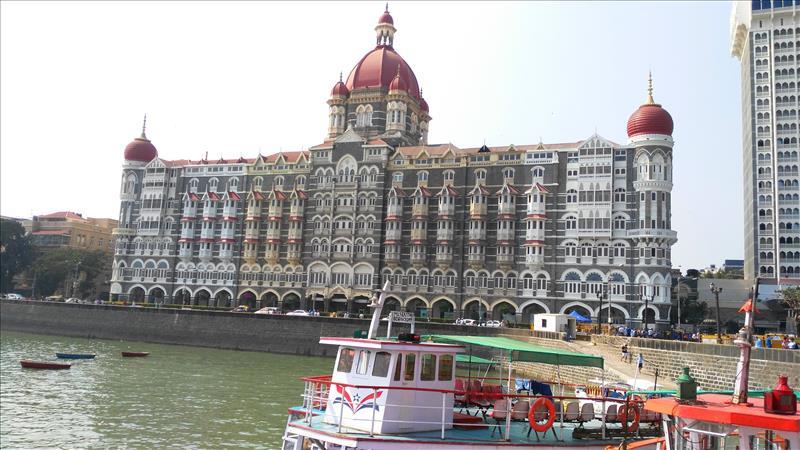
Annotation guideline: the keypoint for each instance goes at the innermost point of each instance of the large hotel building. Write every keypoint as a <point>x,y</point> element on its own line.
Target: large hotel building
<point>765,37</point>
<point>496,232</point>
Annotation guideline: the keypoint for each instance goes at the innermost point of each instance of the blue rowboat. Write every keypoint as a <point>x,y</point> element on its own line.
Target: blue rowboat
<point>75,355</point>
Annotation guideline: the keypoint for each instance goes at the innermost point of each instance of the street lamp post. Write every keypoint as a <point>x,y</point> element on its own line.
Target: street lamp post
<point>716,290</point>
<point>600,296</point>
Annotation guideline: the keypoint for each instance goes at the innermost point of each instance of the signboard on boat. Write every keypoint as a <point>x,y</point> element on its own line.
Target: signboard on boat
<point>399,317</point>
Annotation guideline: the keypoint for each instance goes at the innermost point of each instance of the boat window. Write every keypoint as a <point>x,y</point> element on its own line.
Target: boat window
<point>380,368</point>
<point>363,361</point>
<point>398,367</point>
<point>346,356</point>
<point>428,372</point>
<point>411,364</point>
<point>445,367</point>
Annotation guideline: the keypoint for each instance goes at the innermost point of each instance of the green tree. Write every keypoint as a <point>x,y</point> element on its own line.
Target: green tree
<point>693,311</point>
<point>790,297</point>
<point>57,267</point>
<point>16,252</point>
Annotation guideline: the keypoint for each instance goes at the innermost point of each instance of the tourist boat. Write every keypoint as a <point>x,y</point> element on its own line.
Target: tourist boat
<point>714,421</point>
<point>45,365</point>
<point>388,394</point>
<point>134,354</point>
<point>75,355</point>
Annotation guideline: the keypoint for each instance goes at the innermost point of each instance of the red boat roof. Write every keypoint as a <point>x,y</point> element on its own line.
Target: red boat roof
<point>716,408</point>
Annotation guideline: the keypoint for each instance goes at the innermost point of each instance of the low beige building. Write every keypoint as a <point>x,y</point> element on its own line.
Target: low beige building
<point>69,229</point>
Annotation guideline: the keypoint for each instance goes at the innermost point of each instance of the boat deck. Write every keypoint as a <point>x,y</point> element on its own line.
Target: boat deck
<point>587,434</point>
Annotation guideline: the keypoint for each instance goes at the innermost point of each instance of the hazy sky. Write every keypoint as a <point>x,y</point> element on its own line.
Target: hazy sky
<point>234,79</point>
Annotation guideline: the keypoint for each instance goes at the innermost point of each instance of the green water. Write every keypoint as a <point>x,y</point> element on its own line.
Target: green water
<point>178,397</point>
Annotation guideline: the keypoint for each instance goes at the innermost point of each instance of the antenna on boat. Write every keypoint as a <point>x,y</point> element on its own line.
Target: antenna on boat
<point>745,342</point>
<point>377,302</point>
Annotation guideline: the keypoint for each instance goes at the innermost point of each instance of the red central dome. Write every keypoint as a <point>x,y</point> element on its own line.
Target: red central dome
<point>140,149</point>
<point>379,67</point>
<point>650,118</point>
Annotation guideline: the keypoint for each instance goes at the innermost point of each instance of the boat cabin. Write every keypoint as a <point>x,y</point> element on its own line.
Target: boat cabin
<point>365,368</point>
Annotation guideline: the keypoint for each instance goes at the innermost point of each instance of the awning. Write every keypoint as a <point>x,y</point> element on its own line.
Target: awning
<point>465,359</point>
<point>525,352</point>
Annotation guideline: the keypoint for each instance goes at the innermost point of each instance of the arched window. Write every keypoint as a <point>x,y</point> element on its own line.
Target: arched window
<point>508,174</point>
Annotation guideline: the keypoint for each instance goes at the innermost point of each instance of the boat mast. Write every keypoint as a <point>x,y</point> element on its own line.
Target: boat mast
<point>377,303</point>
<point>745,343</point>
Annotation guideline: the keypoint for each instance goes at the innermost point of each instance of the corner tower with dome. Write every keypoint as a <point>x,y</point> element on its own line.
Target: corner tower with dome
<point>496,232</point>
<point>381,98</point>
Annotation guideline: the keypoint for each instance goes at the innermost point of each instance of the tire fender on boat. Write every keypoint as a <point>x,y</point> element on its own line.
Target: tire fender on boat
<point>551,414</point>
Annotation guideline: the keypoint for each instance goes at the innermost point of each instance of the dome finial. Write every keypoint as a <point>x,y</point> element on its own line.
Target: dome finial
<point>340,76</point>
<point>387,7</point>
<point>144,126</point>
<point>385,29</point>
<point>650,100</point>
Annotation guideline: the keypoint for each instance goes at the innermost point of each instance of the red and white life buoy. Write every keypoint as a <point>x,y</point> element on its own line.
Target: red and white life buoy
<point>630,410</point>
<point>551,414</point>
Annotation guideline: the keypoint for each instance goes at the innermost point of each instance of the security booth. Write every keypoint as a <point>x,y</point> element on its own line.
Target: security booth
<point>556,323</point>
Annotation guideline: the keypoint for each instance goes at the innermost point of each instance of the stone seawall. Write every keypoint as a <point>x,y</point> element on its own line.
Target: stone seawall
<point>712,365</point>
<point>226,330</point>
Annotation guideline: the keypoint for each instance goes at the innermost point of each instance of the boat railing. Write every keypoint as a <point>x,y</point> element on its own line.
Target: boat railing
<point>495,409</point>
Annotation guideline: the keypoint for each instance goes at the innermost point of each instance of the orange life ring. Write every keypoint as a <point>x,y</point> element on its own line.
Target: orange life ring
<point>630,409</point>
<point>551,414</point>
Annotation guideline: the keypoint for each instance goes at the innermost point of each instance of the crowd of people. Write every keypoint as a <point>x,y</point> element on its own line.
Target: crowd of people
<point>787,342</point>
<point>675,335</point>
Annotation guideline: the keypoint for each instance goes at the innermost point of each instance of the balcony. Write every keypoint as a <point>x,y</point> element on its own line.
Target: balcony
<point>534,235</point>
<point>475,257</point>
<point>271,256</point>
<point>477,235</point>
<point>296,211</point>
<point>273,234</point>
<point>506,209</point>
<point>229,212</point>
<point>534,259</point>
<point>505,259</point>
<point>418,235</point>
<point>444,258</point>
<point>444,235</point>
<point>417,258</point>
<point>392,257</point>
<point>477,210</point>
<point>185,253</point>
<point>226,254</point>
<point>446,210</point>
<point>419,211</point>
<point>250,254</point>
<point>210,213</point>
<point>207,233</point>
<point>393,235</point>
<point>652,233</point>
<point>123,232</point>
<point>205,253</point>
<point>296,234</point>
<point>190,212</point>
<point>227,233</point>
<point>275,212</point>
<point>535,208</point>
<point>505,235</point>
<point>293,257</point>
<point>394,211</point>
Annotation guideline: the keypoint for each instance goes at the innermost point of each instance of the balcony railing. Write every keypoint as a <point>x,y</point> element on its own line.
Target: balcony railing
<point>505,235</point>
<point>419,210</point>
<point>475,235</point>
<point>477,209</point>
<point>444,235</point>
<point>393,235</point>
<point>418,235</point>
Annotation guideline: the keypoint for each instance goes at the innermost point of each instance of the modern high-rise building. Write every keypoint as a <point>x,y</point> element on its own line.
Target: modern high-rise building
<point>500,232</point>
<point>765,37</point>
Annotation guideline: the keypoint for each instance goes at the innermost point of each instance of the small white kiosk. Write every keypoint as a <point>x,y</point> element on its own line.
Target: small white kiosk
<point>557,323</point>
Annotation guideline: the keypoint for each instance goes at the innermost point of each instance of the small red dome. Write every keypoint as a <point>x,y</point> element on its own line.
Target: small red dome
<point>339,90</point>
<point>650,118</point>
<point>398,83</point>
<point>140,149</point>
<point>386,18</point>
<point>423,105</point>
<point>379,67</point>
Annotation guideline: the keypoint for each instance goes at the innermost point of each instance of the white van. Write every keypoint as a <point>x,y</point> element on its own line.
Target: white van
<point>13,296</point>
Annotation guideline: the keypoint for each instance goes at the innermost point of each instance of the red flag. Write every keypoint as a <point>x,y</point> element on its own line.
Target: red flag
<point>748,306</point>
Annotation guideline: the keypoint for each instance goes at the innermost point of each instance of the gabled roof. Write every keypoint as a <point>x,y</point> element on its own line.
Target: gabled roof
<point>276,194</point>
<point>299,193</point>
<point>596,140</point>
<point>191,196</point>
<point>437,150</point>
<point>51,232</point>
<point>447,190</point>
<point>422,190</point>
<point>62,215</point>
<point>211,195</point>
<point>233,195</point>
<point>479,188</point>
<point>397,192</point>
<point>349,135</point>
<point>538,187</point>
<point>510,188</point>
<point>258,195</point>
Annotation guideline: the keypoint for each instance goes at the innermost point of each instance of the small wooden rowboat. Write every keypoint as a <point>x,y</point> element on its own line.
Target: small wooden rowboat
<point>134,354</point>
<point>75,355</point>
<point>27,364</point>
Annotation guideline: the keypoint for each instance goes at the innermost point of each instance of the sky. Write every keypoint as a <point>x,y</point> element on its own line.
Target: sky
<point>240,78</point>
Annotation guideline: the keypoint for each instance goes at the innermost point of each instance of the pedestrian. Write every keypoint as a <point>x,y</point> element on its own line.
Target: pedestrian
<point>759,342</point>
<point>792,345</point>
<point>624,352</point>
<point>640,361</point>
<point>785,342</point>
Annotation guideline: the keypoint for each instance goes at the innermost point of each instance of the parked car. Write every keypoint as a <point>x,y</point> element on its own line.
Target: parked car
<point>241,308</point>
<point>494,323</point>
<point>298,312</point>
<point>73,300</point>
<point>465,322</point>
<point>12,296</point>
<point>269,310</point>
